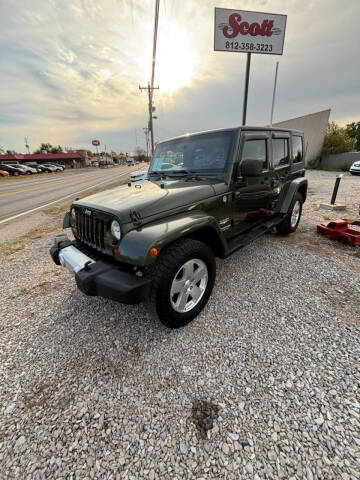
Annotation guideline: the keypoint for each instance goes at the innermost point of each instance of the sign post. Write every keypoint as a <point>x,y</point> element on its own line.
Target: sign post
<point>246,88</point>
<point>248,32</point>
<point>96,143</point>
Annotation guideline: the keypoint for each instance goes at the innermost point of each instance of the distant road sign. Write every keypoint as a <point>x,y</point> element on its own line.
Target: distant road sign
<point>249,32</point>
<point>96,143</point>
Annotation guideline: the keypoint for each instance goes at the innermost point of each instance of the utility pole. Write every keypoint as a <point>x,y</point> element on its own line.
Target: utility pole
<point>150,88</point>
<point>27,146</point>
<point>146,131</point>
<point>151,110</point>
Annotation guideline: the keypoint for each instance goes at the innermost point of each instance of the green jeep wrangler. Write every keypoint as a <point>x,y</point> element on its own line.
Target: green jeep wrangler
<point>206,195</point>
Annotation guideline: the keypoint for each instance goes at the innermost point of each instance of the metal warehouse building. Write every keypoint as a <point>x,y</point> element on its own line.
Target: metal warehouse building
<point>314,127</point>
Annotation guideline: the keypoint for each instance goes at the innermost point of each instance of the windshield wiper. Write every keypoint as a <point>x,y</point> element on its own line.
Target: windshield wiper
<point>157,174</point>
<point>181,173</point>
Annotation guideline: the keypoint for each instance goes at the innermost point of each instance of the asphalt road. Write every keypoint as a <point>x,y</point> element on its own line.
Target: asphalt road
<point>19,196</point>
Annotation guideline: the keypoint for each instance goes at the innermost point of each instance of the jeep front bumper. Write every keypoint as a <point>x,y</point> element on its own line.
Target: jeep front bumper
<point>99,278</point>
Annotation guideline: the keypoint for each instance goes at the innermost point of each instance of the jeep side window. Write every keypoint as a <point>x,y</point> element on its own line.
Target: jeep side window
<point>255,150</point>
<point>297,147</point>
<point>280,147</point>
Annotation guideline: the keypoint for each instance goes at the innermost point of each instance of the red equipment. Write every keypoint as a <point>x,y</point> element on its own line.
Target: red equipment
<point>339,230</point>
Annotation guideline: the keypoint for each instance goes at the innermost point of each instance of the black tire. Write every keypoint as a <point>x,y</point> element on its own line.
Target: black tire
<point>170,260</point>
<point>286,226</point>
<point>16,174</point>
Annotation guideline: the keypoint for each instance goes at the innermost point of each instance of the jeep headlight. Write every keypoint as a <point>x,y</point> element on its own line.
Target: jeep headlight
<point>115,229</point>
<point>73,216</point>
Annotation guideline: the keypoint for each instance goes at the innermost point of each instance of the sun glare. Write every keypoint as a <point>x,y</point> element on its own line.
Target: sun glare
<point>176,62</point>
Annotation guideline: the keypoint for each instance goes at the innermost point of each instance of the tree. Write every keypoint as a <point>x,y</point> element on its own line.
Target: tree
<point>105,154</point>
<point>353,130</point>
<point>140,154</point>
<point>337,140</point>
<point>49,148</point>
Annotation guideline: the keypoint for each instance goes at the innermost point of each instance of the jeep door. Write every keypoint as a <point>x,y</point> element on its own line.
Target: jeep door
<point>280,165</point>
<point>251,203</point>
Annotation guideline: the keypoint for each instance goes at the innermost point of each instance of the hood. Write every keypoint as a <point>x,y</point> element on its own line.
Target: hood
<point>147,198</point>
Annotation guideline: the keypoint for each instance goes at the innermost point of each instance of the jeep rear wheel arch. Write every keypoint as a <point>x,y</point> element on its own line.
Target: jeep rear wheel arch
<point>299,185</point>
<point>290,223</point>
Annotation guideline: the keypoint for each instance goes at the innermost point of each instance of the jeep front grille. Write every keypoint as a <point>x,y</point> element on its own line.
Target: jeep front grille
<point>90,229</point>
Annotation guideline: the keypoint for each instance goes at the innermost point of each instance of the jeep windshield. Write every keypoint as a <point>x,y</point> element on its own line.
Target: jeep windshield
<point>205,155</point>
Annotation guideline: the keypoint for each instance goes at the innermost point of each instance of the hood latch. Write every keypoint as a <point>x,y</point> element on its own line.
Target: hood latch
<point>135,218</point>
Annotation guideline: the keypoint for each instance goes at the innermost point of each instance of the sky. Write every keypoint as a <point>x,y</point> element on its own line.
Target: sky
<point>70,71</point>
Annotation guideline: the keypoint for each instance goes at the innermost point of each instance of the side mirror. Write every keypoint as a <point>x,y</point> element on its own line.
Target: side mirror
<point>250,168</point>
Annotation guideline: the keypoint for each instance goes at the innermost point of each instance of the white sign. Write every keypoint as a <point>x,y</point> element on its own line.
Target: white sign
<point>250,32</point>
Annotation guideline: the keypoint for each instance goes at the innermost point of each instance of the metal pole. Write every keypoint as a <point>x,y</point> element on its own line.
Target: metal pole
<point>247,75</point>
<point>151,120</point>
<point>274,92</point>
<point>336,188</point>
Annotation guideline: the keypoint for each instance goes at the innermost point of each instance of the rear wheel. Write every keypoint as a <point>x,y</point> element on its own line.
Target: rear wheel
<point>184,276</point>
<point>16,174</point>
<point>292,219</point>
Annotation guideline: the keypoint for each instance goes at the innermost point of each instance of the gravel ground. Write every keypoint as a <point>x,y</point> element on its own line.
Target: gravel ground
<point>264,384</point>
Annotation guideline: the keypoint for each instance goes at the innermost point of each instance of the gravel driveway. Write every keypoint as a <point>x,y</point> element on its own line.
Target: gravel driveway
<point>264,384</point>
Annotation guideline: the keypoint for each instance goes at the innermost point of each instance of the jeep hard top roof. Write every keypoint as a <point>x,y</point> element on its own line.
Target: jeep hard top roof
<point>240,128</point>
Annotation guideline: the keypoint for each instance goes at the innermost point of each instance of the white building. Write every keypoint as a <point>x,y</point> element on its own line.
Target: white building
<point>314,127</point>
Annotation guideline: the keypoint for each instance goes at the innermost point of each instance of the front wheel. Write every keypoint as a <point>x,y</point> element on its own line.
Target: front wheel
<point>183,278</point>
<point>292,219</point>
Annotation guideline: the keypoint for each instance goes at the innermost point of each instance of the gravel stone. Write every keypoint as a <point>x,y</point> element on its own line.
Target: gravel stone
<point>9,409</point>
<point>90,388</point>
<point>20,441</point>
<point>183,448</point>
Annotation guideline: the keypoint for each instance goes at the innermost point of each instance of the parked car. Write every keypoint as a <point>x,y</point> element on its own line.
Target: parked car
<point>55,168</point>
<point>37,168</point>
<point>3,173</point>
<point>12,170</point>
<point>26,169</point>
<point>58,165</point>
<point>157,240</point>
<point>355,168</point>
<point>45,169</point>
<point>140,175</point>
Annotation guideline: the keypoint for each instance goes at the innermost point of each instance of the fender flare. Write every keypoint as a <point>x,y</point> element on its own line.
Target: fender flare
<point>134,247</point>
<point>293,188</point>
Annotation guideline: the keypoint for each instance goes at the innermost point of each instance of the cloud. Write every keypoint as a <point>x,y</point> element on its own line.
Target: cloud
<point>70,70</point>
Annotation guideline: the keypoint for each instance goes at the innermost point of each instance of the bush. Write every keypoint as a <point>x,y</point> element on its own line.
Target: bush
<point>337,140</point>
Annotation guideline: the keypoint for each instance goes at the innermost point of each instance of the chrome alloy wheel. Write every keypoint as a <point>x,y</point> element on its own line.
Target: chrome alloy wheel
<point>189,285</point>
<point>295,214</point>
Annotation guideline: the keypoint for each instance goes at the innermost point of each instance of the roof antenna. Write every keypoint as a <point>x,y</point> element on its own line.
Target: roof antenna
<point>274,92</point>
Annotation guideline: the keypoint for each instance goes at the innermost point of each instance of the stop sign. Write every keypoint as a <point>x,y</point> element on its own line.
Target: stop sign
<point>96,143</point>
